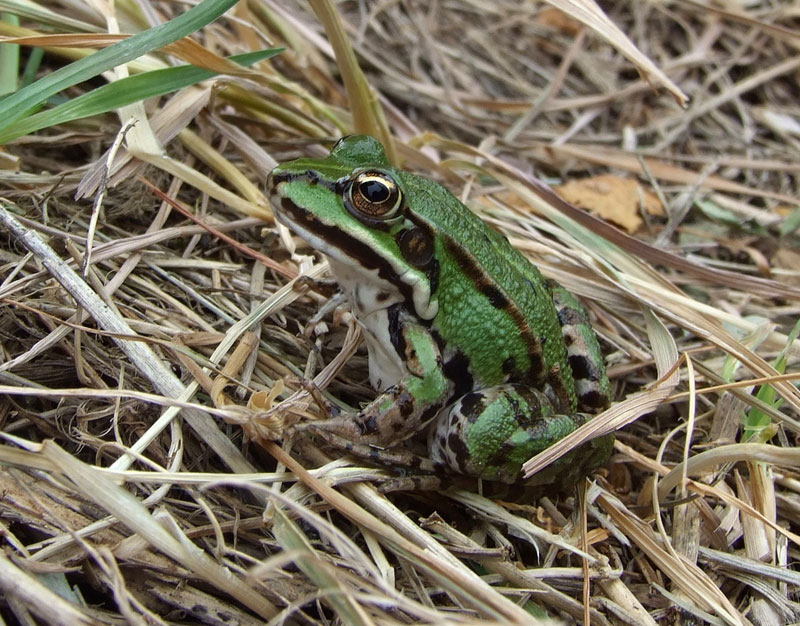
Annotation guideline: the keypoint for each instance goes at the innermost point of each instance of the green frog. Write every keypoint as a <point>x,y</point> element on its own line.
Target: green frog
<point>465,337</point>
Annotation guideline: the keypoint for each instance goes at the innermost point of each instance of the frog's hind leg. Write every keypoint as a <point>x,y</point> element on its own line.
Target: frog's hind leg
<point>393,458</point>
<point>427,482</point>
<point>584,356</point>
<point>427,476</point>
<point>430,477</point>
<point>388,457</point>
<point>490,433</point>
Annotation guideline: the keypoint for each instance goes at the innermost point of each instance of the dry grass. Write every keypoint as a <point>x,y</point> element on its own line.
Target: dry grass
<point>140,480</point>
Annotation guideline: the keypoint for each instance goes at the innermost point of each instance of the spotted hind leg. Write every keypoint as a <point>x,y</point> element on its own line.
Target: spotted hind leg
<point>584,356</point>
<point>490,433</point>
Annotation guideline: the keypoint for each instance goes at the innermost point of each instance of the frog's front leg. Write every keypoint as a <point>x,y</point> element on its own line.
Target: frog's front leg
<point>405,407</point>
<point>490,434</point>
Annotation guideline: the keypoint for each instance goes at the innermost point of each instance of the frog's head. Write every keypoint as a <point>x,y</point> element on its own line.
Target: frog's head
<point>351,205</point>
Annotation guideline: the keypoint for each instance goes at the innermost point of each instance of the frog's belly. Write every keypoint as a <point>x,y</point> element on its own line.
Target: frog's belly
<point>370,299</point>
<point>386,367</point>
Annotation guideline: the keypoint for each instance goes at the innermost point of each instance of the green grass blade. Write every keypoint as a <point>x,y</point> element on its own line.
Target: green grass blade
<point>123,92</point>
<point>32,67</point>
<point>9,61</point>
<point>757,424</point>
<point>30,98</point>
<point>791,223</point>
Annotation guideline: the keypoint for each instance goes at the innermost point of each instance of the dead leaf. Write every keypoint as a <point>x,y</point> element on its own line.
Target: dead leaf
<point>558,20</point>
<point>613,198</point>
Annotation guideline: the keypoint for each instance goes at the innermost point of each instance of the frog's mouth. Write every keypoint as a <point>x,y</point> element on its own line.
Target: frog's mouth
<point>328,238</point>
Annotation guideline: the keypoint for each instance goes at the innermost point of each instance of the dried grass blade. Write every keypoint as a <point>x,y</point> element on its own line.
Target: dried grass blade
<point>39,14</point>
<point>434,560</point>
<point>592,15</point>
<point>695,584</point>
<point>320,571</point>
<point>128,509</point>
<point>733,453</point>
<point>19,586</point>
<point>140,354</point>
<point>368,117</point>
<point>603,155</point>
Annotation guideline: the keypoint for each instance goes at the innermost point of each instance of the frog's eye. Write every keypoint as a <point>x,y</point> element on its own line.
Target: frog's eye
<point>373,195</point>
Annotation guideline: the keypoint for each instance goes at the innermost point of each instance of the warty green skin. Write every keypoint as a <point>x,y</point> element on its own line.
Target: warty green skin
<point>461,329</point>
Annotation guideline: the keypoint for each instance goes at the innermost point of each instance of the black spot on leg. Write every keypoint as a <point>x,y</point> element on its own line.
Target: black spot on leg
<point>405,404</point>
<point>473,404</point>
<point>570,317</point>
<point>459,449</point>
<point>457,370</point>
<point>582,368</point>
<point>593,399</point>
<point>368,426</point>
<point>429,413</point>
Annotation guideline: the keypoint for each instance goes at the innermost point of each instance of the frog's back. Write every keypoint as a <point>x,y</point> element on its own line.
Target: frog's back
<point>493,303</point>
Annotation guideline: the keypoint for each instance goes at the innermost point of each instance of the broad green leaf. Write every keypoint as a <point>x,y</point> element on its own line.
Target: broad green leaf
<point>123,92</point>
<point>35,95</point>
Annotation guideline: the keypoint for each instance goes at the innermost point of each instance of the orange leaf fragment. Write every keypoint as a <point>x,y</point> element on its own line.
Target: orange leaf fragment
<point>615,199</point>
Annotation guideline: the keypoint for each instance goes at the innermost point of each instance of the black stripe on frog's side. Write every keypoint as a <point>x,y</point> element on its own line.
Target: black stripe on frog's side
<point>497,297</point>
<point>350,246</point>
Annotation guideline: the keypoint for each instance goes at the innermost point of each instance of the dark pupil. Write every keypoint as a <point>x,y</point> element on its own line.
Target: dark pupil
<point>374,191</point>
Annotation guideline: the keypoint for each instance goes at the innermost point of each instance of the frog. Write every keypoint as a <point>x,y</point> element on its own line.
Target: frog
<point>467,341</point>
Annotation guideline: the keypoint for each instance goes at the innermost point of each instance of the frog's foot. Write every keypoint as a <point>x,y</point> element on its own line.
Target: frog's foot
<point>323,286</point>
<point>329,410</point>
<point>491,433</point>
<point>430,476</point>
<point>427,482</point>
<point>385,457</point>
